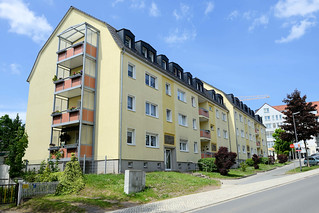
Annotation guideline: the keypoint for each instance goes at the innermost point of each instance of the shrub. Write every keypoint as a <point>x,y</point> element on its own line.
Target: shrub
<point>250,162</point>
<point>207,164</point>
<point>243,166</point>
<point>72,179</point>
<point>256,160</point>
<point>282,158</point>
<point>271,160</point>
<point>264,160</point>
<point>224,160</point>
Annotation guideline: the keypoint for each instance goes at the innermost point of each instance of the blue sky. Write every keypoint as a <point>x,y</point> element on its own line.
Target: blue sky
<point>244,47</point>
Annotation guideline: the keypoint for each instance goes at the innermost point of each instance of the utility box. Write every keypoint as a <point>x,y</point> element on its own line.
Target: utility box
<point>134,181</point>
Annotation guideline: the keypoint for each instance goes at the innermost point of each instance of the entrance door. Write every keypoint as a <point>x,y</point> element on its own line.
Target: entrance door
<point>168,159</point>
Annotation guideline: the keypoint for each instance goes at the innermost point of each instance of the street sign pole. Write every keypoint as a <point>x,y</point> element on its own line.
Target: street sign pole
<point>293,119</point>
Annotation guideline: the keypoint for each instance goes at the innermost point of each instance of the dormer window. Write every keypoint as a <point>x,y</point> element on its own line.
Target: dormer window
<point>179,74</point>
<point>175,71</point>
<point>164,64</point>
<point>144,52</point>
<point>189,80</point>
<point>128,41</point>
<point>152,56</point>
<point>199,87</point>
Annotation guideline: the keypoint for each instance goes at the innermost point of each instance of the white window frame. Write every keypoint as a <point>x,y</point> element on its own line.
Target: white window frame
<point>127,38</point>
<point>133,70</point>
<point>182,120</point>
<point>185,142</point>
<point>224,117</point>
<point>149,136</point>
<point>242,133</point>
<point>148,109</point>
<point>218,132</point>
<point>150,76</point>
<point>194,124</point>
<point>151,56</point>
<point>217,113</point>
<point>225,134</point>
<point>240,118</point>
<point>168,89</point>
<point>193,101</point>
<point>168,115</point>
<point>133,136</point>
<point>133,103</point>
<point>195,147</point>
<point>181,95</point>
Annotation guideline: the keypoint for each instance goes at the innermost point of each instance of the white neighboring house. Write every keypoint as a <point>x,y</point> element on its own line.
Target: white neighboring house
<point>273,117</point>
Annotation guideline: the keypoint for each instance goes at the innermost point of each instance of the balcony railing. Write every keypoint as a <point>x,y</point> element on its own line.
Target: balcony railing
<point>205,134</point>
<point>75,50</point>
<point>257,131</point>
<point>258,143</point>
<point>203,113</point>
<point>69,82</point>
<point>72,116</point>
<point>207,155</point>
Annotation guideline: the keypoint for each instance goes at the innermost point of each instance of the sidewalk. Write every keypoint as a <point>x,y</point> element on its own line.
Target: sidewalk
<point>227,192</point>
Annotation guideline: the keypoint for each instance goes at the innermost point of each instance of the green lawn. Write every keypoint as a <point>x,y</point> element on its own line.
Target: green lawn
<point>106,192</point>
<point>304,169</point>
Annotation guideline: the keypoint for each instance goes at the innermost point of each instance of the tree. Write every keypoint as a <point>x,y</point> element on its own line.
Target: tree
<point>224,160</point>
<point>256,160</point>
<point>281,146</point>
<point>14,140</point>
<point>305,120</point>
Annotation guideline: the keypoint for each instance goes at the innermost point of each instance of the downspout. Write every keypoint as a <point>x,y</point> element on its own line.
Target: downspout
<point>121,110</point>
<point>229,134</point>
<point>236,138</point>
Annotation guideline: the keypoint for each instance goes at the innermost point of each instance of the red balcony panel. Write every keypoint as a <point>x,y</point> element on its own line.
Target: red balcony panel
<point>74,116</point>
<point>67,83</point>
<point>89,81</point>
<point>88,115</point>
<point>59,86</point>
<point>65,117</point>
<point>62,56</point>
<point>76,81</point>
<point>257,143</point>
<point>78,49</point>
<point>205,133</point>
<point>56,119</point>
<point>92,83</point>
<point>86,150</point>
<point>206,155</point>
<point>69,53</point>
<point>203,112</point>
<point>91,50</point>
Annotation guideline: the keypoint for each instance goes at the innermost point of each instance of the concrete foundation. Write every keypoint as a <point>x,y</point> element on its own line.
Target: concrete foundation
<point>134,181</point>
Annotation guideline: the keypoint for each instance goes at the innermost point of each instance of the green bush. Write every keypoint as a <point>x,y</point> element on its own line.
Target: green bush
<point>264,160</point>
<point>207,164</point>
<point>250,162</point>
<point>72,179</point>
<point>243,166</point>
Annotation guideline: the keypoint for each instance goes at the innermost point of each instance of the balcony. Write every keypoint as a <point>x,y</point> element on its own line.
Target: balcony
<point>71,86</point>
<point>203,114</point>
<point>71,117</point>
<point>71,57</point>
<point>205,135</point>
<point>68,150</point>
<point>258,144</point>
<point>257,131</point>
<point>207,154</point>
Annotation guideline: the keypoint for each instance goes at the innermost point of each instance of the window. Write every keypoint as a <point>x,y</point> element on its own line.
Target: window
<point>274,125</point>
<point>189,80</point>
<point>130,136</point>
<point>273,117</point>
<point>250,137</point>
<point>212,127</point>
<point>276,117</point>
<point>131,103</point>
<point>225,134</point>
<point>248,122</point>
<point>151,140</point>
<point>279,117</point>
<point>267,118</point>
<point>194,124</point>
<point>218,132</point>
<point>179,74</point>
<point>193,102</point>
<point>266,110</point>
<point>236,117</point>
<point>181,95</point>
<point>241,118</point>
<point>238,147</point>
<point>244,149</point>
<point>182,120</point>
<point>217,113</point>
<point>152,56</point>
<point>168,89</point>
<point>164,64</point>
<point>237,131</point>
<point>183,145</point>
<point>131,71</point>
<point>151,109</point>
<point>268,125</point>
<point>168,115</point>
<point>195,147</point>
<point>150,80</point>
<point>224,116</point>
<point>210,108</point>
<point>144,52</point>
<point>242,133</point>
<point>128,41</point>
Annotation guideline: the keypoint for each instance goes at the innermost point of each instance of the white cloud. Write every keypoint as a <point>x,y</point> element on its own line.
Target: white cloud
<point>178,36</point>
<point>209,7</point>
<point>297,31</point>
<point>249,15</point>
<point>184,12</point>
<point>15,69</point>
<point>262,20</point>
<point>114,3</point>
<point>289,8</point>
<point>23,21</point>
<point>154,11</point>
<point>137,4</point>
<point>234,14</point>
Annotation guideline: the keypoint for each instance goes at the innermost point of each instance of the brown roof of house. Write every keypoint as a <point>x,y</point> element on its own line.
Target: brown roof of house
<point>282,108</point>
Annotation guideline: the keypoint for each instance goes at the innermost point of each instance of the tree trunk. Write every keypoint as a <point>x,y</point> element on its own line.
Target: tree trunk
<point>306,153</point>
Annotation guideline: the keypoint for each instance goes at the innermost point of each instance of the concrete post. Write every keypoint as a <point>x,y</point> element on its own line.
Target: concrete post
<point>134,181</point>
<point>84,164</point>
<point>20,182</point>
<point>105,164</point>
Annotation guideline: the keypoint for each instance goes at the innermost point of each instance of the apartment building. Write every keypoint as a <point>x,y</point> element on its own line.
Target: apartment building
<point>115,98</point>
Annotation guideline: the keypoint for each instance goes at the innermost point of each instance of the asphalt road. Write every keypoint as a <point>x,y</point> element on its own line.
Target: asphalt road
<point>300,196</point>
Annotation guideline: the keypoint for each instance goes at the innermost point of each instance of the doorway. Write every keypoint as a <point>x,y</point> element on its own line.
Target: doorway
<point>168,159</point>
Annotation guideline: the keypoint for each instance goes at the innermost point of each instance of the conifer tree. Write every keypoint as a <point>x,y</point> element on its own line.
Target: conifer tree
<point>306,122</point>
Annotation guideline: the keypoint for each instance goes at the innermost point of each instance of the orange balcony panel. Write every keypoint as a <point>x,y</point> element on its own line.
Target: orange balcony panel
<point>67,84</point>
<point>69,152</point>
<point>57,119</point>
<point>205,133</point>
<point>65,117</point>
<point>62,56</point>
<point>59,86</point>
<point>86,150</point>
<point>69,52</point>
<point>76,81</point>
<point>203,112</point>
<point>74,116</point>
<point>206,155</point>
<point>78,49</point>
<point>89,81</point>
<point>92,83</point>
<point>88,115</point>
<point>91,50</point>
